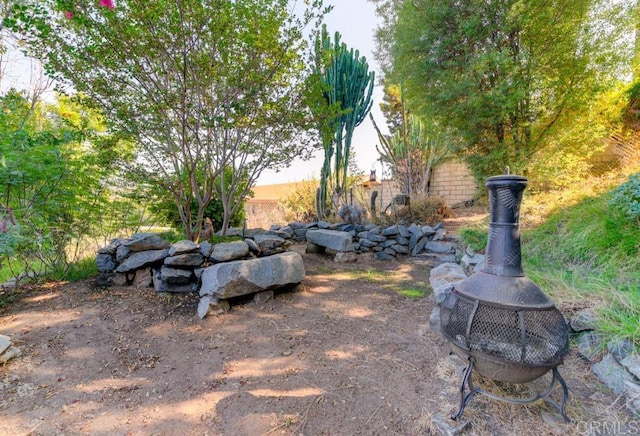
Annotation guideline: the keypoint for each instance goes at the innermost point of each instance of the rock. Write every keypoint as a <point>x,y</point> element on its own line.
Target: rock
<point>242,277</point>
<point>404,231</point>
<point>185,260</point>
<point>399,248</point>
<point>5,343</point>
<point>388,243</point>
<point>427,230</point>
<point>253,247</point>
<point>391,231</point>
<point>9,354</point>
<point>312,248</point>
<point>122,253</point>
<point>434,320</point>
<point>175,276</point>
<point>443,279</point>
<point>439,234</point>
<point>469,261</point>
<point>146,242</point>
<point>184,246</point>
<point>323,224</point>
<point>333,239</point>
<point>228,251</point>
<point>209,305</point>
<point>632,364</point>
<point>112,247</point>
<point>270,244</point>
<point>345,256</point>
<point>589,346</point>
<point>419,247</point>
<point>620,348</point>
<point>105,263</point>
<point>141,259</point>
<point>612,374</point>
<point>381,255</point>
<point>583,320</point>
<point>377,238</point>
<point>440,247</point>
<point>368,243</point>
<point>206,248</point>
<point>632,393</point>
<point>143,278</point>
<point>120,279</point>
<point>435,259</point>
<point>448,427</point>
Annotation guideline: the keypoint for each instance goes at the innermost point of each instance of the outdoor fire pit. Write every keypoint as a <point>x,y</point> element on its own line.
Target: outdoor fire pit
<point>497,319</point>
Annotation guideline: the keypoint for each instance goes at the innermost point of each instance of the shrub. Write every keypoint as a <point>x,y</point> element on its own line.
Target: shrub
<point>300,205</point>
<point>352,214</point>
<point>626,197</point>
<point>425,210</point>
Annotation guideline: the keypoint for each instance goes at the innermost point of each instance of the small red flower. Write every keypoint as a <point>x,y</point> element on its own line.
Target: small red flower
<point>107,4</point>
<point>68,15</point>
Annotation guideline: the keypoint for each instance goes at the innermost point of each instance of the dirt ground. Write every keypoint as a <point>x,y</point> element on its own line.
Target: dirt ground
<point>342,354</point>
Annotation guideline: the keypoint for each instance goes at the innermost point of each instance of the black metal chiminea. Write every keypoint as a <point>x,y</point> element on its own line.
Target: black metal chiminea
<point>497,319</point>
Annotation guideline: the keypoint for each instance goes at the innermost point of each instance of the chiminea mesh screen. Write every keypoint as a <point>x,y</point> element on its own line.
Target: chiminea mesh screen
<point>522,336</point>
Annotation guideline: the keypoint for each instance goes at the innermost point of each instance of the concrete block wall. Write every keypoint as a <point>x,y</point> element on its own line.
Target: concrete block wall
<point>454,182</point>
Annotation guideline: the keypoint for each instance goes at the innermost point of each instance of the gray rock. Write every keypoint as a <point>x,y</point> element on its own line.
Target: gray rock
<point>388,243</point>
<point>143,278</point>
<point>122,252</point>
<point>368,243</point>
<point>105,263</point>
<point>435,259</point>
<point>583,320</point>
<point>434,320</point>
<point>312,248</point>
<point>440,247</point>
<point>381,255</point>
<point>209,305</point>
<point>9,354</point>
<point>186,260</point>
<point>401,249</point>
<point>419,247</point>
<point>104,280</point>
<point>228,251</point>
<point>112,247</point>
<point>403,241</point>
<point>345,256</point>
<point>469,261</point>
<point>324,225</point>
<point>632,394</point>
<point>632,364</point>
<point>206,248</point>
<point>120,279</point>
<point>142,259</point>
<point>335,240</point>
<point>404,231</point>
<point>270,244</point>
<point>377,238</point>
<point>416,231</point>
<point>253,247</point>
<point>620,348</point>
<point>175,276</point>
<point>447,427</point>
<point>5,343</point>
<point>242,277</point>
<point>589,345</point>
<point>391,231</point>
<point>612,374</point>
<point>439,235</point>
<point>146,242</point>
<point>184,246</point>
<point>427,230</point>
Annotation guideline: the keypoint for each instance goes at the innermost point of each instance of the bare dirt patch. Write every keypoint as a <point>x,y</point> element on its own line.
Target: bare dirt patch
<point>343,354</point>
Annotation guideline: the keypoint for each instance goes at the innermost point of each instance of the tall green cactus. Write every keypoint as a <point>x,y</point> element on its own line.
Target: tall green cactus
<point>347,89</point>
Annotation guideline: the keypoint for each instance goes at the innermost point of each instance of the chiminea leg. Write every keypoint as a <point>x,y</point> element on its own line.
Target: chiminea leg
<point>464,398</point>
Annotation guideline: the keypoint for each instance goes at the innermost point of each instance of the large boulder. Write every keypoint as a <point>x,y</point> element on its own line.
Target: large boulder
<point>333,239</point>
<point>242,277</point>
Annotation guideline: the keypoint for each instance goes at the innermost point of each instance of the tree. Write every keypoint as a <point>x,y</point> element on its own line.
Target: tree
<point>414,147</point>
<point>347,86</point>
<point>509,75</point>
<point>56,163</point>
<point>201,86</point>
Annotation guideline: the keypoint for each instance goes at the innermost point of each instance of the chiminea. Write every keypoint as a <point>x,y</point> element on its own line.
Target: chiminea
<point>497,319</point>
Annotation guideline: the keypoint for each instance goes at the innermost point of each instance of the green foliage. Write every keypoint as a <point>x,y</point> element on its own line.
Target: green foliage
<point>626,198</point>
<point>347,87</point>
<point>513,77</point>
<point>300,204</point>
<point>587,255</point>
<point>55,163</point>
<point>200,86</point>
<point>475,237</point>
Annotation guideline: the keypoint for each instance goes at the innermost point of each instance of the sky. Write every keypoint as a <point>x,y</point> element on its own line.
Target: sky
<point>356,21</point>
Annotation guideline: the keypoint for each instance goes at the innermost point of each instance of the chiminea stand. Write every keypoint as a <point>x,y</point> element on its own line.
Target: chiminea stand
<point>467,381</point>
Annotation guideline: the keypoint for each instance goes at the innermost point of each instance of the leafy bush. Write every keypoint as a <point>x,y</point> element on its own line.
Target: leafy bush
<point>626,197</point>
<point>300,205</point>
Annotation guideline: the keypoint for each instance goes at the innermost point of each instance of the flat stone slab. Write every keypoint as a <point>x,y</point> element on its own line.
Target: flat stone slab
<point>141,259</point>
<point>228,251</point>
<point>243,277</point>
<point>334,239</point>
